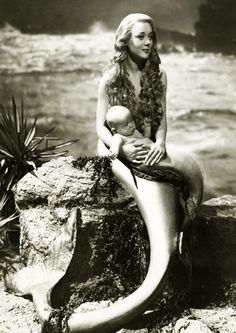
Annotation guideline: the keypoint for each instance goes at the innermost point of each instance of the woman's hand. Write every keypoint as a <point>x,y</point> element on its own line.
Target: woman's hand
<point>157,151</point>
<point>135,153</point>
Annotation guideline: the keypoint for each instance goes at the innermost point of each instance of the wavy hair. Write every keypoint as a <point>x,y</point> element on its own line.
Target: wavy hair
<point>123,34</point>
<point>120,89</point>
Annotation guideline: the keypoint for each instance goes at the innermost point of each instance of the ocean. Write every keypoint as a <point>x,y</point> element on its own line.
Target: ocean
<point>57,76</point>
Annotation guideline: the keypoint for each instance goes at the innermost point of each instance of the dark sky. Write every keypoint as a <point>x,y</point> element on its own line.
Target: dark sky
<point>177,15</point>
<point>78,15</point>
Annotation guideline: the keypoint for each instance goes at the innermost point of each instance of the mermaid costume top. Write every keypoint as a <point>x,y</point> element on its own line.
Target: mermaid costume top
<point>147,106</point>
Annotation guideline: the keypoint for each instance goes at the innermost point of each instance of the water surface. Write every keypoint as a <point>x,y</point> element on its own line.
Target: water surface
<point>58,76</point>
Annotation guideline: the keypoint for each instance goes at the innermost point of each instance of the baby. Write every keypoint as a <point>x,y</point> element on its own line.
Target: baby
<point>174,165</point>
<point>124,131</point>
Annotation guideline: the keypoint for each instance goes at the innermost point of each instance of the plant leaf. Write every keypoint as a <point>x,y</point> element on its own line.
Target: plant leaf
<point>6,153</point>
<point>31,134</point>
<point>7,219</point>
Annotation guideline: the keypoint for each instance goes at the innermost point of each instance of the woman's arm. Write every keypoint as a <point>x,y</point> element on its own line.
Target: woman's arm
<point>132,152</point>
<point>157,150</point>
<point>102,106</point>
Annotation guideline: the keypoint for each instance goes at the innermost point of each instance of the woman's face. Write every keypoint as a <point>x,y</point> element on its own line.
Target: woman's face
<point>141,40</point>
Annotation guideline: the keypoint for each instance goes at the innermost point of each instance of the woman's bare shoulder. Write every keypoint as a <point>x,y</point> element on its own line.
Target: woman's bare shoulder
<point>107,76</point>
<point>104,82</point>
<point>163,77</point>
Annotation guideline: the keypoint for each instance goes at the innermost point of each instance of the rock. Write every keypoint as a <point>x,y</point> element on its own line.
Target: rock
<point>17,315</point>
<point>46,203</point>
<point>214,319</point>
<point>215,234</point>
<point>110,238</point>
<point>92,306</point>
<point>190,326</point>
<point>124,330</point>
<point>106,216</point>
<point>65,183</point>
<point>214,252</point>
<point>219,319</point>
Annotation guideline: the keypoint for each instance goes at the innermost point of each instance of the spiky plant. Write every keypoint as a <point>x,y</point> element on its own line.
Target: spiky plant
<point>7,250</point>
<point>21,151</point>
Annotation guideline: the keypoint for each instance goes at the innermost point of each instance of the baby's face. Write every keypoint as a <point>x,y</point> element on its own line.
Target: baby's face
<point>126,126</point>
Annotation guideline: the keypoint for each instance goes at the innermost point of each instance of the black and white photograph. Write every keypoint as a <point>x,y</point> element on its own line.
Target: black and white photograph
<point>117,166</point>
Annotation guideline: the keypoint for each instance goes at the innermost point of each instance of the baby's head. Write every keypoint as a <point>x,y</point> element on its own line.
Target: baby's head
<point>120,120</point>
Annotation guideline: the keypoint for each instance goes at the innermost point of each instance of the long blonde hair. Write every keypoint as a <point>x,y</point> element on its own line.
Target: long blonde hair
<point>123,34</point>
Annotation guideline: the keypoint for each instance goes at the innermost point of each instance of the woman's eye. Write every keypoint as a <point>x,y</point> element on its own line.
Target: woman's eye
<point>140,37</point>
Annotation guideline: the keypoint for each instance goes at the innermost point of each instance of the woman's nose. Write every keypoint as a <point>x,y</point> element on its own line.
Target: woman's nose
<point>147,41</point>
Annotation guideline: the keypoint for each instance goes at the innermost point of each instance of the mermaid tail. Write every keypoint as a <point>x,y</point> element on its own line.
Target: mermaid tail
<point>158,205</point>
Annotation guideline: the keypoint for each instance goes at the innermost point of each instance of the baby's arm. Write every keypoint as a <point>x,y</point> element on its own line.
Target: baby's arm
<point>116,143</point>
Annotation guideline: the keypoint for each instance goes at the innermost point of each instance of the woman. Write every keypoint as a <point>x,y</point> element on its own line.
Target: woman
<point>135,81</point>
